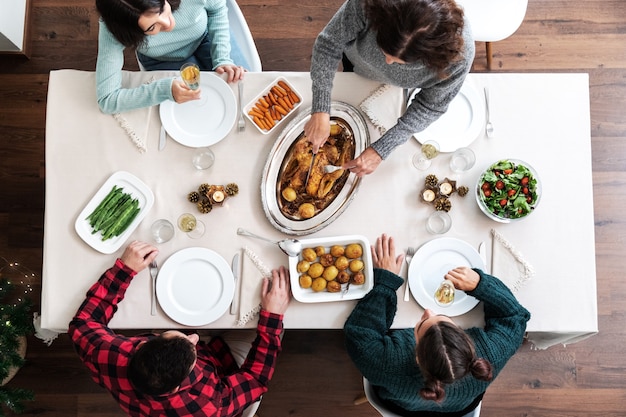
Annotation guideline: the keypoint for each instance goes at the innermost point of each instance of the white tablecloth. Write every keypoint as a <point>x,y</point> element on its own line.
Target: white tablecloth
<point>540,118</point>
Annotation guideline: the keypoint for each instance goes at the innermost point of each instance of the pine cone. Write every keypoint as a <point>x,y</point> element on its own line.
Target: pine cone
<point>462,190</point>
<point>193,197</point>
<point>431,181</point>
<point>204,189</point>
<point>204,206</point>
<point>443,204</point>
<point>232,189</point>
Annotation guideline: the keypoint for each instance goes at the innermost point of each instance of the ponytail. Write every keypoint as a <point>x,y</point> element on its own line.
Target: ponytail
<point>445,353</point>
<point>481,369</point>
<point>433,391</point>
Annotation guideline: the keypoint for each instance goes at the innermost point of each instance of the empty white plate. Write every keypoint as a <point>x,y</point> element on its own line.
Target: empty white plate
<point>195,286</point>
<point>461,124</point>
<point>201,122</point>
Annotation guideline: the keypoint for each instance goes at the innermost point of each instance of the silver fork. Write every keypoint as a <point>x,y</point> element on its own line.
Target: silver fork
<point>154,269</point>
<point>241,123</point>
<point>410,251</point>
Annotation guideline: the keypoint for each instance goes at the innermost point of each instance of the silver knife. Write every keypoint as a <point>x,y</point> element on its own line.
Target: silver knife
<point>162,138</point>
<point>308,174</point>
<point>234,306</point>
<point>482,251</point>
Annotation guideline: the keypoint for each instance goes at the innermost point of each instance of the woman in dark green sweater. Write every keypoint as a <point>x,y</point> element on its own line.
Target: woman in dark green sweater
<point>436,368</point>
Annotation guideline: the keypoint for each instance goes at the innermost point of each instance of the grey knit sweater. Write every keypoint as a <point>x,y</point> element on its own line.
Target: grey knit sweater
<point>387,357</point>
<point>347,32</point>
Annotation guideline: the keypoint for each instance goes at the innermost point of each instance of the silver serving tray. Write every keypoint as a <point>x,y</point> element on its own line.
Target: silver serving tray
<point>271,171</point>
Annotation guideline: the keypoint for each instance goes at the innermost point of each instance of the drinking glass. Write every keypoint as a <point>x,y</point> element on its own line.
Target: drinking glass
<point>162,230</point>
<point>193,227</point>
<point>461,160</point>
<point>444,296</point>
<point>422,158</point>
<point>190,73</point>
<point>203,158</point>
<point>438,222</point>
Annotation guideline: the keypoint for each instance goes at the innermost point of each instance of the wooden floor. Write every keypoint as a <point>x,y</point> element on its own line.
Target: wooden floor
<point>314,376</point>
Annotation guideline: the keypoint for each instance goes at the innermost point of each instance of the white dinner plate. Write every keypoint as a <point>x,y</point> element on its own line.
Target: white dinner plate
<point>195,286</point>
<point>201,122</point>
<point>130,185</point>
<point>461,124</point>
<point>428,267</point>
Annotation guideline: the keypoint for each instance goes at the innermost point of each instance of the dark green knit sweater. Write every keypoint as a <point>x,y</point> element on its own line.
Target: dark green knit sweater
<point>387,357</point>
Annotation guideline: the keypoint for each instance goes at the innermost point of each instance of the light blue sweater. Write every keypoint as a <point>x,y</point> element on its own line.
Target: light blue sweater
<point>193,19</point>
<point>348,32</point>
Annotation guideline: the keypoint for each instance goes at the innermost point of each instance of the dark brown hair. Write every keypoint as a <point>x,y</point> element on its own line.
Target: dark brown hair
<point>445,353</point>
<point>430,31</point>
<point>122,17</point>
<point>161,364</point>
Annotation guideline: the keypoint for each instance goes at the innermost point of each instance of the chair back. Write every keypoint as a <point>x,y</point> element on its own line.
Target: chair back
<point>242,37</point>
<point>493,20</point>
<point>375,402</point>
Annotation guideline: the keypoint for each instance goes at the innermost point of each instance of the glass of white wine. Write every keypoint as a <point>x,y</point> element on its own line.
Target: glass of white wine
<point>444,296</point>
<point>429,150</point>
<point>193,227</point>
<point>190,73</point>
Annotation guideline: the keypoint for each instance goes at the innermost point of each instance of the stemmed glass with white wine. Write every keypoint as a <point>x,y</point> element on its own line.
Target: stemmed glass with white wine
<point>193,227</point>
<point>422,158</point>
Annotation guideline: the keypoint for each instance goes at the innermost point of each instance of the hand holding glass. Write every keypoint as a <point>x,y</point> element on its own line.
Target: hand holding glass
<point>190,73</point>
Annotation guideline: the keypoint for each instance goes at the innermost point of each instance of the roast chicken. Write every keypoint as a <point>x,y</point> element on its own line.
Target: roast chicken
<point>321,188</point>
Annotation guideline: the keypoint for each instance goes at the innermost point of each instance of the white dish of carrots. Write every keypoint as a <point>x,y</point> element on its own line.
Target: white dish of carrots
<point>273,105</point>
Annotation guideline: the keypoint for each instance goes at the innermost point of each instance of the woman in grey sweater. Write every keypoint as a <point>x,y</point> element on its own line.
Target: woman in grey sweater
<point>423,44</point>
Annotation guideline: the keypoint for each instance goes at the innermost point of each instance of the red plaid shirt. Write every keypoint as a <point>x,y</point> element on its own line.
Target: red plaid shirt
<point>216,386</point>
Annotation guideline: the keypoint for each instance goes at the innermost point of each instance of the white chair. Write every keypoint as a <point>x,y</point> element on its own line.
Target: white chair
<point>375,402</point>
<point>493,20</point>
<point>240,33</point>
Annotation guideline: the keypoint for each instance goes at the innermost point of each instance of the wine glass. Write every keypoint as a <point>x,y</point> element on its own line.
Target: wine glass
<point>190,73</point>
<point>422,158</point>
<point>193,227</point>
<point>444,296</point>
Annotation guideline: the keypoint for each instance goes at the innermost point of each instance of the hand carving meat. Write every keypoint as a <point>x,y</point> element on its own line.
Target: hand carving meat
<point>321,188</point>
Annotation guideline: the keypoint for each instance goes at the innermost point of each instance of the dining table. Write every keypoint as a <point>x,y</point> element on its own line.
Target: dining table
<point>540,118</point>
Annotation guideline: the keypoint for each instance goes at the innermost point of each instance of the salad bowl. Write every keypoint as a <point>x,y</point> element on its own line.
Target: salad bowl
<point>509,190</point>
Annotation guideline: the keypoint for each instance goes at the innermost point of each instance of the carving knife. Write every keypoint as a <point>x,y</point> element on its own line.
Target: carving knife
<point>310,168</point>
<point>234,306</point>
<point>162,138</point>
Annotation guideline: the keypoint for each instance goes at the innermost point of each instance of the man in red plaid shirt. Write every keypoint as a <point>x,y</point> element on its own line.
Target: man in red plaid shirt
<point>173,374</point>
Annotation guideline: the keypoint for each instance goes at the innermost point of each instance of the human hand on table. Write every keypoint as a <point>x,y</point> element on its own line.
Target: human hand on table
<point>463,278</point>
<point>233,72</point>
<point>384,255</point>
<point>317,130</point>
<point>182,93</point>
<point>138,255</point>
<point>275,296</point>
<point>364,164</point>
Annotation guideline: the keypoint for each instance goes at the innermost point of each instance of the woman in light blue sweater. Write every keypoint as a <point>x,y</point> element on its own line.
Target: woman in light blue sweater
<point>423,44</point>
<point>435,368</point>
<point>165,34</point>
